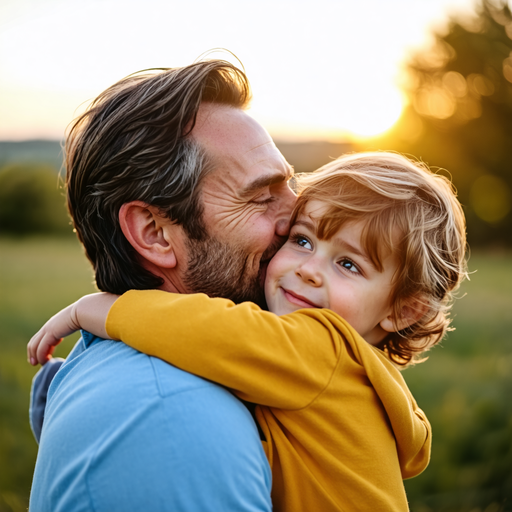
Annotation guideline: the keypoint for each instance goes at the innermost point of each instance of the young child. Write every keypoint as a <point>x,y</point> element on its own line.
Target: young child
<point>361,287</point>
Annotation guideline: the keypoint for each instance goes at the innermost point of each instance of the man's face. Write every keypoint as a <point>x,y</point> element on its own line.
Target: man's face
<point>247,205</point>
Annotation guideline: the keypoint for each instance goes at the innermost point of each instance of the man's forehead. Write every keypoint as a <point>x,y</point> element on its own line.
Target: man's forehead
<point>267,154</point>
<point>222,127</point>
<point>229,134</point>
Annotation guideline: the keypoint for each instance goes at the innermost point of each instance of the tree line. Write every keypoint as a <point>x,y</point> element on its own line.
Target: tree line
<point>458,118</point>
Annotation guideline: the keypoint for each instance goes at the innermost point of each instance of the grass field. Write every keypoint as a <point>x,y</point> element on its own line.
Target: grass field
<point>37,277</point>
<point>465,387</point>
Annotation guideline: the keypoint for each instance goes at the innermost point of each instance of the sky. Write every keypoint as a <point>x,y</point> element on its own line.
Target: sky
<point>319,69</point>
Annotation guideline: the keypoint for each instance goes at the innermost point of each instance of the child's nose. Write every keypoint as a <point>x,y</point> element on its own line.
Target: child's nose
<point>309,273</point>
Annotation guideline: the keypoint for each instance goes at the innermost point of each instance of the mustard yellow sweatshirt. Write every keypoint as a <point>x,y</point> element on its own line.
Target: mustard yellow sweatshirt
<point>342,429</point>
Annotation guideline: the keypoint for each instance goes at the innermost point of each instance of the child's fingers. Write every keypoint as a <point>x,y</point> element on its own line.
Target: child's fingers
<point>46,347</point>
<point>41,347</point>
<point>32,347</point>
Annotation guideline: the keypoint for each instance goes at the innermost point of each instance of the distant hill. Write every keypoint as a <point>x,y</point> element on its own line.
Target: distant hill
<point>304,156</point>
<point>308,156</point>
<point>33,151</point>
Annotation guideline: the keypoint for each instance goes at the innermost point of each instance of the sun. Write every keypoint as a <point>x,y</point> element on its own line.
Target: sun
<point>354,115</point>
<point>371,116</point>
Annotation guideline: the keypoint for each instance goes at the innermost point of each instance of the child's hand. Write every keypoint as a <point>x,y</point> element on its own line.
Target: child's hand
<point>89,313</point>
<point>40,348</point>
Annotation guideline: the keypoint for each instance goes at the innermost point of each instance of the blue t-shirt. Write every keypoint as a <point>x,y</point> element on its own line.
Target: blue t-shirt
<point>126,432</point>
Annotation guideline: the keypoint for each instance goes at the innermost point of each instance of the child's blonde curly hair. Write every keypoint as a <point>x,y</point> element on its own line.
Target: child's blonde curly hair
<point>409,211</point>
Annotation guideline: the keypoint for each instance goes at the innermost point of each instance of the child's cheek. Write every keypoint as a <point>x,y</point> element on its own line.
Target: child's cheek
<point>275,271</point>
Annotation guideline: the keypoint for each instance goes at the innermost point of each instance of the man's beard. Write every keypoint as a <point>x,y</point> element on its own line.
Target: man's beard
<point>222,270</point>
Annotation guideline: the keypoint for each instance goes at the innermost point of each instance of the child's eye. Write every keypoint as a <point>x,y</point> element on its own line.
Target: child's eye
<point>302,241</point>
<point>349,265</point>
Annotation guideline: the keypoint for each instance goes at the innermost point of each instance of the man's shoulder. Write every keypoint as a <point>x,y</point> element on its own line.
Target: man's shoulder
<point>121,369</point>
<point>150,430</point>
<point>109,384</point>
<point>109,380</point>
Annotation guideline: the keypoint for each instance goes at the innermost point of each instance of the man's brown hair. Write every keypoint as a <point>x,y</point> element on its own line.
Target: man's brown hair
<point>408,211</point>
<point>133,144</point>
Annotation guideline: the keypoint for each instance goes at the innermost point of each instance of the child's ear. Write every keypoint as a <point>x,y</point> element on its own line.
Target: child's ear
<point>414,309</point>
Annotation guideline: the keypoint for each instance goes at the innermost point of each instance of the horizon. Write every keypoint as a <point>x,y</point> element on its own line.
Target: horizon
<point>52,67</point>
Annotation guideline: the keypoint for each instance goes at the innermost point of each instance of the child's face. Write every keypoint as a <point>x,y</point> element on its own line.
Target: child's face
<point>334,274</point>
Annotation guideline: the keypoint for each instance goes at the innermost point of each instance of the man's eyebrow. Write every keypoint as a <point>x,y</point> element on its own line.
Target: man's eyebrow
<point>268,180</point>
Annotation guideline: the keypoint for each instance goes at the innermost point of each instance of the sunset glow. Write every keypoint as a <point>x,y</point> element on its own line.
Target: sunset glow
<point>337,82</point>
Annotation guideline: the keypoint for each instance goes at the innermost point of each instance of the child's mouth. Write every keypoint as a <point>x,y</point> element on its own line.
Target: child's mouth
<point>299,300</point>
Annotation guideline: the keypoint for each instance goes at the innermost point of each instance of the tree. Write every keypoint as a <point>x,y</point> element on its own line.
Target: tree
<point>31,200</point>
<point>459,116</point>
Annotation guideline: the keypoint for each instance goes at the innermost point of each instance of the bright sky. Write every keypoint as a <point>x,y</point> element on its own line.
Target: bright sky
<point>318,68</point>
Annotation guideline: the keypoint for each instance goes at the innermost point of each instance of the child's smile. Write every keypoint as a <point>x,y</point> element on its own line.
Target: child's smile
<point>297,299</point>
<point>336,274</point>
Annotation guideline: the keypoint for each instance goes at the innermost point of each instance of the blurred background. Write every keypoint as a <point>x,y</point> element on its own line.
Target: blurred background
<point>429,78</point>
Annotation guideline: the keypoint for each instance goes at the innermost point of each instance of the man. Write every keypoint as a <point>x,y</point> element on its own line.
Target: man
<point>171,185</point>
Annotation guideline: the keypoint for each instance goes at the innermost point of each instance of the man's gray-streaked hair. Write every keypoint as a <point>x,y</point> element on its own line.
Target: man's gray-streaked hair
<point>133,144</point>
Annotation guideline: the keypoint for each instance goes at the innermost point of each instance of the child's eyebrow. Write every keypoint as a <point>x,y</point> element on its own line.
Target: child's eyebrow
<point>354,249</point>
<point>306,224</point>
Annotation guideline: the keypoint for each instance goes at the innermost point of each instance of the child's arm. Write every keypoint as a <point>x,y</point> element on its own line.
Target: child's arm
<point>88,313</point>
<point>283,361</point>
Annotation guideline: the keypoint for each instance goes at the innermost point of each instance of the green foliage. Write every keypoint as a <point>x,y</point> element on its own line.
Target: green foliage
<point>460,116</point>
<point>38,276</point>
<point>32,200</point>
<point>464,387</point>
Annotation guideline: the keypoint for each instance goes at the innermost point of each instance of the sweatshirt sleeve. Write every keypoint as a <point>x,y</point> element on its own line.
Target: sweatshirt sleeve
<point>410,425</point>
<point>277,361</point>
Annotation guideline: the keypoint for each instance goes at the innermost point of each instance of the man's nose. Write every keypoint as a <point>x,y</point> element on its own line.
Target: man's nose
<point>287,204</point>
<point>310,273</point>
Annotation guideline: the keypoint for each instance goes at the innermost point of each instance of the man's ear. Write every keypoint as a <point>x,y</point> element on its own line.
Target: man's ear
<point>414,309</point>
<point>149,233</point>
